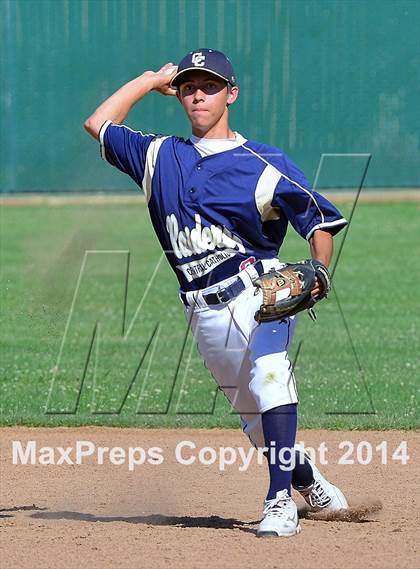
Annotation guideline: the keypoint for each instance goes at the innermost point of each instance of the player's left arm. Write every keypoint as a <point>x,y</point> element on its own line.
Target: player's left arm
<point>308,211</point>
<point>321,247</point>
<point>314,217</point>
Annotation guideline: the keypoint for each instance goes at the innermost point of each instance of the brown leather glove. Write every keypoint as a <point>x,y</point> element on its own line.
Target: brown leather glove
<point>287,291</point>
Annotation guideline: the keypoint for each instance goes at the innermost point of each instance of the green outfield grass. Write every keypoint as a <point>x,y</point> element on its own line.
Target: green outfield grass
<point>347,362</point>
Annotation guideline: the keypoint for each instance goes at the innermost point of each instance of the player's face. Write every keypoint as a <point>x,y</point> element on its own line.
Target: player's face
<point>205,97</point>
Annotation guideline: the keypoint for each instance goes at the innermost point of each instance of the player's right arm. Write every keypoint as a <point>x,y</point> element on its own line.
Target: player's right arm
<point>118,105</point>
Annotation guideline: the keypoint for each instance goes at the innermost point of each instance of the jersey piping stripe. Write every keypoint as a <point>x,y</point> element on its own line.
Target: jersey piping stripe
<point>264,193</point>
<point>132,130</point>
<point>101,138</point>
<point>106,125</point>
<point>149,169</point>
<point>341,221</point>
<point>290,180</point>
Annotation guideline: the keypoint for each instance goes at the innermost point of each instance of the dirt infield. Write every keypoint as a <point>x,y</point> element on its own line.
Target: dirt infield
<point>175,515</point>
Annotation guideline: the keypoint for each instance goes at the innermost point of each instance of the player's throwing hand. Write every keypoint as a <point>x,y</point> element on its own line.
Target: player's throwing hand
<point>163,78</point>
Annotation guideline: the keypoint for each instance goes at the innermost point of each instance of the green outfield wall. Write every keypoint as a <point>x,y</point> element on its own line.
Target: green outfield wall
<point>339,78</point>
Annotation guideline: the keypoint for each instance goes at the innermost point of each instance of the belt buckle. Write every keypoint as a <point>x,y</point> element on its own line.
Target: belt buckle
<point>219,296</point>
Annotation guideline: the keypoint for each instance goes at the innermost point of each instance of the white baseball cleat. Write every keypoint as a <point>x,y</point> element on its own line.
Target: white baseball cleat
<point>321,494</point>
<point>280,517</point>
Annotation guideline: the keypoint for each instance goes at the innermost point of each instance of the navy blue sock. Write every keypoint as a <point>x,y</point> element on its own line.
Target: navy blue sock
<point>279,427</point>
<point>302,475</point>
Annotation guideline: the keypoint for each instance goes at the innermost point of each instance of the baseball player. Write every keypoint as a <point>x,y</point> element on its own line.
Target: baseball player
<point>220,205</point>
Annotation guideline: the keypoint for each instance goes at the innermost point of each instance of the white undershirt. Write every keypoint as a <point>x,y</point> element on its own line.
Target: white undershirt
<point>208,146</point>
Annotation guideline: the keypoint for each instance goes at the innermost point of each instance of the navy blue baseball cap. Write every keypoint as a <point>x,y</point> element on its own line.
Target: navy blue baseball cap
<point>204,59</point>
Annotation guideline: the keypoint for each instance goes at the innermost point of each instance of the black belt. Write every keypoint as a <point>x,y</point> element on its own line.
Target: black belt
<point>227,293</point>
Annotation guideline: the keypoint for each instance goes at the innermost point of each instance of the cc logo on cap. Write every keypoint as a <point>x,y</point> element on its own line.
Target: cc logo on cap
<point>198,59</point>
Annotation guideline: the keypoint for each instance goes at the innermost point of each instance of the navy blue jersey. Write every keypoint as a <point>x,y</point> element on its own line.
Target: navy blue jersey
<point>214,213</point>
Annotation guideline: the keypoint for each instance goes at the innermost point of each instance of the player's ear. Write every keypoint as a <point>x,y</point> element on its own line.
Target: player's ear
<point>233,93</point>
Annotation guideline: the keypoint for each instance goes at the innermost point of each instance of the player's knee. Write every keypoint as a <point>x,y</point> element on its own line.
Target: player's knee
<point>263,383</point>
<point>272,383</point>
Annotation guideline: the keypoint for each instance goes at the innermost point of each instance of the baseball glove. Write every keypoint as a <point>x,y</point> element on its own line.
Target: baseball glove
<point>287,291</point>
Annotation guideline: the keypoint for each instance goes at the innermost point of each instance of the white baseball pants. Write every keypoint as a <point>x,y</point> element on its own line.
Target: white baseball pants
<point>248,361</point>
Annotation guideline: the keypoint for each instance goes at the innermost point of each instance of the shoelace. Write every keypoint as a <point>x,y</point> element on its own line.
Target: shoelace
<point>277,506</point>
<point>317,496</point>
